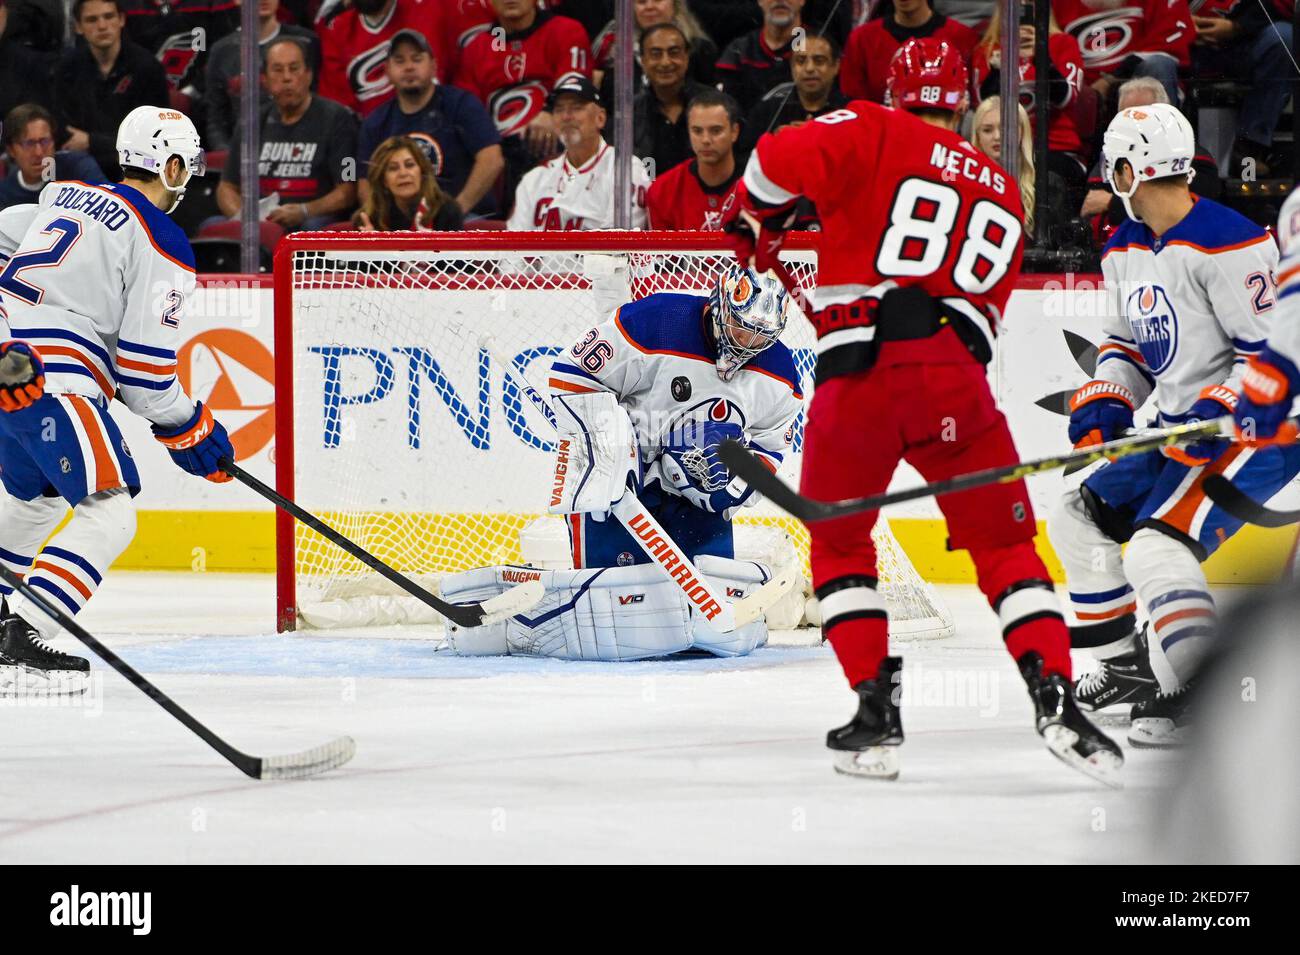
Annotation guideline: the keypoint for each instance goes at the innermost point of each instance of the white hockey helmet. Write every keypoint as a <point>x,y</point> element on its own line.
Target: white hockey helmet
<point>1156,141</point>
<point>151,135</point>
<point>749,314</point>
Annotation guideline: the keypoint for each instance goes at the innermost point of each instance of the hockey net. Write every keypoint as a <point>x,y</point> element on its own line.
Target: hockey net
<point>396,425</point>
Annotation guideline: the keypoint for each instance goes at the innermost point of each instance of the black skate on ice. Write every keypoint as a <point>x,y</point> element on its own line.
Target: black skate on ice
<point>867,745</point>
<point>1123,680</point>
<point>1162,722</point>
<point>27,665</point>
<point>1068,733</point>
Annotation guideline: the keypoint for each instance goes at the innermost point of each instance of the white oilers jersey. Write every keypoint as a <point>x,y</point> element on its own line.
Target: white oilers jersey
<point>1284,336</point>
<point>656,357</point>
<point>1187,309</point>
<point>96,278</point>
<point>558,197</point>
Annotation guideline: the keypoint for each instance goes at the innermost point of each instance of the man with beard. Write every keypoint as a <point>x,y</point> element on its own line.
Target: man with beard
<point>754,63</point>
<point>354,49</point>
<point>697,193</point>
<point>576,190</point>
<point>659,113</point>
<point>451,125</point>
<point>815,66</point>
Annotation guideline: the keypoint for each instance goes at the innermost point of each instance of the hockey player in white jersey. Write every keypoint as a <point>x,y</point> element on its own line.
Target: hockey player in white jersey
<point>93,286</point>
<point>647,397</point>
<point>1192,298</point>
<point>576,189</point>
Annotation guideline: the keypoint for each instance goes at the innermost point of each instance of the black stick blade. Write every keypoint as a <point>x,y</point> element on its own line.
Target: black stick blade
<point>744,465</point>
<point>1244,507</point>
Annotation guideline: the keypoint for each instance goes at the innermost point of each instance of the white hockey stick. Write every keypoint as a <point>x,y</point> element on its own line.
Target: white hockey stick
<point>721,614</point>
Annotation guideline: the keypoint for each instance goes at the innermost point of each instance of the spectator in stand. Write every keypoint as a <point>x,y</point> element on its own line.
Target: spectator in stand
<point>695,195</point>
<point>97,83</point>
<point>754,63</point>
<point>309,144</point>
<point>169,30</point>
<point>648,13</point>
<point>28,141</point>
<point>514,69</point>
<point>986,136</point>
<point>354,48</point>
<point>1065,81</point>
<point>728,20</point>
<point>815,66</point>
<point>453,129</point>
<point>971,13</point>
<point>1132,39</point>
<point>404,194</point>
<point>1249,39</point>
<point>576,190</point>
<point>660,136</point>
<point>24,70</point>
<point>224,76</point>
<point>872,46</point>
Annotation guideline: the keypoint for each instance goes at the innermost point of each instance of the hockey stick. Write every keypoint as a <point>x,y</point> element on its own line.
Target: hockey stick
<point>309,762</point>
<point>1244,507</point>
<point>723,615</point>
<point>515,600</point>
<point>747,467</point>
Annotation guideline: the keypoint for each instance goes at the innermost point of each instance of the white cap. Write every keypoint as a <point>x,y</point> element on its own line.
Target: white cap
<point>151,135</point>
<point>1155,140</point>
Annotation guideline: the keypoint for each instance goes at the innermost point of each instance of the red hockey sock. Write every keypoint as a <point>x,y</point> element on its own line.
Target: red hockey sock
<point>860,645</point>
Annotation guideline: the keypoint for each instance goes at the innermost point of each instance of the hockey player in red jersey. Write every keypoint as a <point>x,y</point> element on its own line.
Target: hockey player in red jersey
<point>912,275</point>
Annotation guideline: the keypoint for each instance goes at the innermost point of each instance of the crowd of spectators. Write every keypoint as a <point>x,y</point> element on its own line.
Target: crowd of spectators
<point>438,114</point>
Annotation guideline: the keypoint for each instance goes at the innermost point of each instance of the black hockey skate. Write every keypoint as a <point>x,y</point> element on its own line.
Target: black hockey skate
<point>868,744</point>
<point>27,665</point>
<point>1068,733</point>
<point>1122,680</point>
<point>1162,722</point>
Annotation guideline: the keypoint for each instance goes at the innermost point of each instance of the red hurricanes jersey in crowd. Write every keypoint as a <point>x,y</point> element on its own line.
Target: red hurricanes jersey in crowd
<point>1062,130</point>
<point>514,78</point>
<point>865,66</point>
<point>938,214</point>
<point>466,20</point>
<point>1107,32</point>
<point>354,52</point>
<point>678,199</point>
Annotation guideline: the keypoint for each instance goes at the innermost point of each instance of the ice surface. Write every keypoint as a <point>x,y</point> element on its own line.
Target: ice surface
<point>509,759</point>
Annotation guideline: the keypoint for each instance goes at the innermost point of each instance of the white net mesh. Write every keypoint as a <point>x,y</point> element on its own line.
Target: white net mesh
<point>410,439</point>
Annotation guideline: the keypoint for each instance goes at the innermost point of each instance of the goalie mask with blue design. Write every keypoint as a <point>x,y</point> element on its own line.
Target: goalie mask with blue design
<point>749,313</point>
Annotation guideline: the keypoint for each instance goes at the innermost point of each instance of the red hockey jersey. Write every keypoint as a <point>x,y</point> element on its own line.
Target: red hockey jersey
<point>865,66</point>
<point>679,200</point>
<point>1109,31</point>
<point>937,214</point>
<point>354,52</point>
<point>1062,130</point>
<point>513,78</point>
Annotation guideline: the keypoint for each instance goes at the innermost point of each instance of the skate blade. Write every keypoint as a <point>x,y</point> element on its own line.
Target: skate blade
<point>878,762</point>
<point>1149,732</point>
<point>1102,766</point>
<point>18,682</point>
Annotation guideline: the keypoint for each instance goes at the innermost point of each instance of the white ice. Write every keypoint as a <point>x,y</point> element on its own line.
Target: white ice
<point>508,759</point>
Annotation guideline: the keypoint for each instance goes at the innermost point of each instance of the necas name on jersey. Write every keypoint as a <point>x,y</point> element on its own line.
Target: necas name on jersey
<point>960,162</point>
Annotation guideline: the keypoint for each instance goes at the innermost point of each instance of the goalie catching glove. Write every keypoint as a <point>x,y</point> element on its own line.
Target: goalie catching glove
<point>692,469</point>
<point>596,460</point>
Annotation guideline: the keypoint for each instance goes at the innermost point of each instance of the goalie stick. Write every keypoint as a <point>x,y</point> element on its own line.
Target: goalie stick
<point>1244,507</point>
<point>723,615</point>
<point>309,762</point>
<point>747,467</point>
<point>515,600</point>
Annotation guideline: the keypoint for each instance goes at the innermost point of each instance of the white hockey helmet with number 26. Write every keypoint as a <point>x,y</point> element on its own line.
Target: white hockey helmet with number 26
<point>1155,140</point>
<point>749,313</point>
<point>151,135</point>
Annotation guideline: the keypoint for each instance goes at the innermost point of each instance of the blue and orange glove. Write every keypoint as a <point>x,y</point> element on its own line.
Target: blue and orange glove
<point>1268,388</point>
<point>1100,411</point>
<point>22,376</point>
<point>198,445</point>
<point>1214,402</point>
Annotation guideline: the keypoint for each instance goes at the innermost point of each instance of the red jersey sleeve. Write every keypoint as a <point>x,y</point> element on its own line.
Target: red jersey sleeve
<point>568,48</point>
<point>658,205</point>
<point>333,67</point>
<point>1068,60</point>
<point>1168,29</point>
<point>853,66</point>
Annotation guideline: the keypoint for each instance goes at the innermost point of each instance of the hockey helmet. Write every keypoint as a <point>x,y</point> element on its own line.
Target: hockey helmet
<point>749,313</point>
<point>927,73</point>
<point>1155,140</point>
<point>151,135</point>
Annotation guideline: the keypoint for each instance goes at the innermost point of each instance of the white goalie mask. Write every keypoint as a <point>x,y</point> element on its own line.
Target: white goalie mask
<point>150,136</point>
<point>749,313</point>
<point>1156,141</point>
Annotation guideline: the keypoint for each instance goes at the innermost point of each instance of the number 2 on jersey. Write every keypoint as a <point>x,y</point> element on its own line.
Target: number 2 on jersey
<point>69,231</point>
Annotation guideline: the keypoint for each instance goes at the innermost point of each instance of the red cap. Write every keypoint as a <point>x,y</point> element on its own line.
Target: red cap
<point>927,74</point>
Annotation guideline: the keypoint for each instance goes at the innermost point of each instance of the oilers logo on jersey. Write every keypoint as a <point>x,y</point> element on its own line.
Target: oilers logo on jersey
<point>1154,322</point>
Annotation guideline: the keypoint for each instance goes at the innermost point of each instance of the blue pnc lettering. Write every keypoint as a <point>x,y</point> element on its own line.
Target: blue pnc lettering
<point>333,399</point>
<point>477,428</point>
<point>513,399</point>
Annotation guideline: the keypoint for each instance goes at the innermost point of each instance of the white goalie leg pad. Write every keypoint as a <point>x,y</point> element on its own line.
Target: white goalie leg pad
<point>732,579</point>
<point>1172,585</point>
<point>1099,590</point>
<point>596,458</point>
<point>474,586</point>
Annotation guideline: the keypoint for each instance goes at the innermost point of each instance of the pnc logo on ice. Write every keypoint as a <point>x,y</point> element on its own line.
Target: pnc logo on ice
<point>74,908</point>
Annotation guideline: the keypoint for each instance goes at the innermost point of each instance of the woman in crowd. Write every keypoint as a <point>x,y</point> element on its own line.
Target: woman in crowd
<point>404,192</point>
<point>986,136</point>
